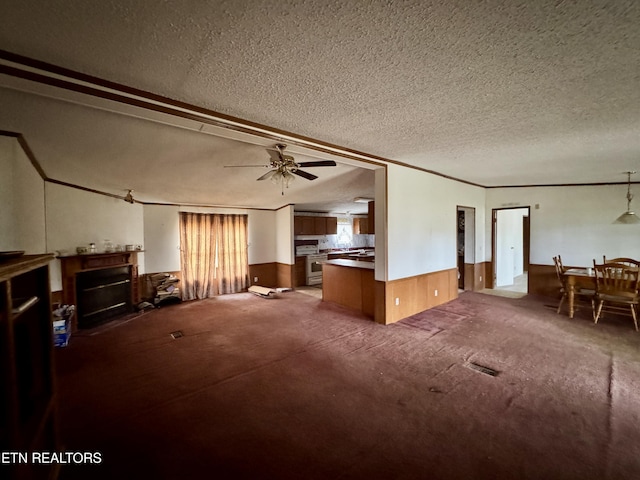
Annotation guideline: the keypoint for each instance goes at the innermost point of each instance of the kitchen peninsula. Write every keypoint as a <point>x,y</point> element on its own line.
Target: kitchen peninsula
<point>350,283</point>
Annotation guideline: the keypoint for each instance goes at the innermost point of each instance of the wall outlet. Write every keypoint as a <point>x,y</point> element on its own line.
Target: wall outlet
<point>435,293</point>
<point>255,279</point>
<point>397,301</point>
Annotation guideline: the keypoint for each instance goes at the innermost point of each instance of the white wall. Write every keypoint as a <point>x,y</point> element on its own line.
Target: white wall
<point>162,235</point>
<point>76,218</point>
<point>8,240</point>
<point>284,235</point>
<point>380,213</point>
<point>575,222</point>
<point>422,221</point>
<point>161,238</point>
<point>22,198</point>
<point>263,230</point>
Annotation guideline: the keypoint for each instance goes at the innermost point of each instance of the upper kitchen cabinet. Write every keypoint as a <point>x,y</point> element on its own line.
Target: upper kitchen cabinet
<point>320,225</point>
<point>365,225</point>
<point>307,225</point>
<point>332,225</point>
<point>303,225</point>
<point>360,226</point>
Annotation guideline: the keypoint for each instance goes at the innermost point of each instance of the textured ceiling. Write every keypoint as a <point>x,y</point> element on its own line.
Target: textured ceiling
<point>495,93</point>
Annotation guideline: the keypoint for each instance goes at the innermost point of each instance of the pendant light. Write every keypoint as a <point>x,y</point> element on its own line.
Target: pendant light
<point>628,217</point>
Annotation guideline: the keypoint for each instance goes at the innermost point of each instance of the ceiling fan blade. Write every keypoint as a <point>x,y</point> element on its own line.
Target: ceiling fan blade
<point>308,176</point>
<point>236,166</point>
<point>320,163</point>
<point>267,175</point>
<point>275,156</point>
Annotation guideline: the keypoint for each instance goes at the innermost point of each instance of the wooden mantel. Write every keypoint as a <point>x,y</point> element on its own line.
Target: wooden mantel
<point>73,264</point>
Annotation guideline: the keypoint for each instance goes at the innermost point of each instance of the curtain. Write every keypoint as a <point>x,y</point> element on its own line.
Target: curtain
<point>213,254</point>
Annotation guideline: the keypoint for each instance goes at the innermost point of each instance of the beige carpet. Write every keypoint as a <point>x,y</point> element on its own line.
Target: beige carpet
<point>315,292</point>
<point>502,293</point>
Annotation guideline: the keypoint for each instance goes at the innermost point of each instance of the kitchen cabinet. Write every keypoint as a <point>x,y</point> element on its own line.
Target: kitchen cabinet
<point>27,416</point>
<point>365,225</point>
<point>301,271</point>
<point>314,225</point>
<point>319,225</point>
<point>360,226</point>
<point>303,225</point>
<point>332,225</point>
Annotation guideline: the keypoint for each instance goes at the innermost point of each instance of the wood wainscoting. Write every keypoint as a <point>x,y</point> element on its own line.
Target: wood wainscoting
<point>476,275</point>
<point>414,294</point>
<point>272,274</point>
<point>543,280</point>
<point>481,275</point>
<point>266,274</point>
<point>285,274</point>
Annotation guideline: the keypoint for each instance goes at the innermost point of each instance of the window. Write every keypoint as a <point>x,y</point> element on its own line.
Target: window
<point>345,232</point>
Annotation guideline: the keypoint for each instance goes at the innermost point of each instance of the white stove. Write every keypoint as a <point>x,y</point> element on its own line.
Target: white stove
<point>313,261</point>
<point>302,250</point>
<point>314,268</point>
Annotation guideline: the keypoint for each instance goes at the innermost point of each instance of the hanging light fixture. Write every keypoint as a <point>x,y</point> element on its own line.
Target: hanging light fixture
<point>283,177</point>
<point>628,217</point>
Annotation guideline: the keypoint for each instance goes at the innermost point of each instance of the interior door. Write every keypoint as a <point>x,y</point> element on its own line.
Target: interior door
<point>466,234</point>
<point>509,252</point>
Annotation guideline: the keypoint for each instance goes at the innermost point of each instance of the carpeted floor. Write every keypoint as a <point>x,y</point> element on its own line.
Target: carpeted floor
<point>295,387</point>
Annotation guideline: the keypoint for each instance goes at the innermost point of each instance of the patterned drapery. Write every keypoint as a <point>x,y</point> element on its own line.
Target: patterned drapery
<point>213,254</point>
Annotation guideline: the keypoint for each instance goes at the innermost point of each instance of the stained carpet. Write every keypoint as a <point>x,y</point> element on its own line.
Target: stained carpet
<point>295,388</point>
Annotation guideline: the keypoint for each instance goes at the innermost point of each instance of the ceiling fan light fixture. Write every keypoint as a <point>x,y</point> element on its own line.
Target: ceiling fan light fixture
<point>288,177</point>
<point>628,217</point>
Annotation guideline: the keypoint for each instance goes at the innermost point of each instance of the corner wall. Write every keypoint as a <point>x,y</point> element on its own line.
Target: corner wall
<point>76,218</point>
<point>421,216</point>
<point>22,195</point>
<point>575,222</point>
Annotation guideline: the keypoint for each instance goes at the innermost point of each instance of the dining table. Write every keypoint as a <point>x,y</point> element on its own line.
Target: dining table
<point>578,278</point>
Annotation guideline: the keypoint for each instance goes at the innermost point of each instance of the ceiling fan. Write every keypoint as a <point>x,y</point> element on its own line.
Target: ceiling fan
<point>284,167</point>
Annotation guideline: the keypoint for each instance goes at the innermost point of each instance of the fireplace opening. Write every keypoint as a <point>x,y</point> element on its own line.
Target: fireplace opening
<point>102,295</point>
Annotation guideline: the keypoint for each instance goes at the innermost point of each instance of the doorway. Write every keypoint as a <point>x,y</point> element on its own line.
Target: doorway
<point>466,247</point>
<point>510,249</point>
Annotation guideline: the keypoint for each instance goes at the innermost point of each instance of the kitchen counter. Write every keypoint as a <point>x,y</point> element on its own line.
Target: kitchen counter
<point>350,283</point>
<point>344,262</point>
<point>349,251</point>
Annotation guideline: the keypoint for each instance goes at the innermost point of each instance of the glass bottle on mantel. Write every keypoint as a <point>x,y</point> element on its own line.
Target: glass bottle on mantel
<point>108,246</point>
<point>92,248</point>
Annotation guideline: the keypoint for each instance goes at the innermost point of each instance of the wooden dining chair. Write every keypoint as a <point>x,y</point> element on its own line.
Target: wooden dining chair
<point>630,262</point>
<point>557,261</point>
<point>616,290</point>
<point>580,295</point>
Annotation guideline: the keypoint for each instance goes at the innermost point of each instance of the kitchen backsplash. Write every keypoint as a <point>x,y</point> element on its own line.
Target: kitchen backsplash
<point>326,242</point>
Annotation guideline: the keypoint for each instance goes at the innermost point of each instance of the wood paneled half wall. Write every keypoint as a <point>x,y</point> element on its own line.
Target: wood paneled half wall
<point>272,274</point>
<point>411,295</point>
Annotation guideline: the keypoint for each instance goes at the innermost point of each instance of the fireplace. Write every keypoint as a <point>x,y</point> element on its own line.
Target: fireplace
<point>103,286</point>
<point>102,295</point>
